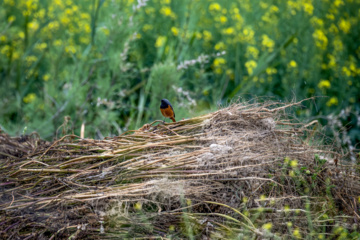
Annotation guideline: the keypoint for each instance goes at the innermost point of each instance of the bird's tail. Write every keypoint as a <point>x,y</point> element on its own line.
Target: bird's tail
<point>173,119</point>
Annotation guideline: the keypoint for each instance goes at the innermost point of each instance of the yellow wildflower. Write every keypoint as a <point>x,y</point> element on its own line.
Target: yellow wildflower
<point>274,9</point>
<point>267,42</point>
<point>160,41</point>
<point>344,25</point>
<point>320,39</point>
<point>138,206</point>
<point>11,18</point>
<point>271,71</point>
<point>267,226</point>
<point>58,42</point>
<point>252,51</point>
<point>293,163</point>
<point>346,71</point>
<point>308,8</point>
<point>214,7</point>
<point>166,11</point>
<point>5,50</point>
<point>337,3</point>
<point>198,35</point>
<point>105,30</point>
<point>230,74</point>
<point>332,101</point>
<point>229,31</point>
<point>147,27</point>
<point>207,35</point>
<point>223,19</point>
<point>219,61</point>
<point>219,46</point>
<point>70,49</point>
<point>250,66</point>
<point>29,98</point>
<point>292,64</point>
<point>175,31</point>
<point>324,84</point>
<point>46,77</point>
<point>332,61</point>
<point>296,233</point>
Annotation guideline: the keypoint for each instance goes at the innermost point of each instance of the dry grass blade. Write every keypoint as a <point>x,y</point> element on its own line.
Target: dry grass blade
<point>239,158</point>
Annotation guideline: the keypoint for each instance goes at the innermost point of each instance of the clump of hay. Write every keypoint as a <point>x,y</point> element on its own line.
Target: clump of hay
<point>228,166</point>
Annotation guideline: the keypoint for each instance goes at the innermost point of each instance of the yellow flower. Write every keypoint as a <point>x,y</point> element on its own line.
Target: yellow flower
<point>267,42</point>
<point>214,7</point>
<point>166,11</point>
<point>21,35</point>
<point>230,74</point>
<point>250,66</point>
<point>296,233</point>
<point>105,30</point>
<point>229,31</point>
<point>252,51</point>
<point>274,9</point>
<point>41,46</point>
<point>175,31</point>
<point>324,84</point>
<point>11,18</point>
<point>293,164</point>
<point>5,50</point>
<point>332,101</point>
<point>321,40</point>
<point>292,64</point>
<point>30,60</point>
<point>337,3</point>
<point>271,71</point>
<point>198,35</point>
<point>308,8</point>
<point>46,77</point>
<point>207,35</point>
<point>138,206</point>
<point>3,38</point>
<point>58,42</point>
<point>219,46</point>
<point>29,98</point>
<point>346,71</point>
<point>160,41</point>
<point>345,25</point>
<point>219,61</point>
<point>147,27</point>
<point>267,226</point>
<point>223,19</point>
<point>332,60</point>
<point>70,49</point>
<point>218,71</point>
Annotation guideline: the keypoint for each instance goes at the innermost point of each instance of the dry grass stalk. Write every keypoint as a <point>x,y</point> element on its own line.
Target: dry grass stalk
<point>224,162</point>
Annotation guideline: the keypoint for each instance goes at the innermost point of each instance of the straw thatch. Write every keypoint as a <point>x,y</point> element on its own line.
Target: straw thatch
<point>227,172</point>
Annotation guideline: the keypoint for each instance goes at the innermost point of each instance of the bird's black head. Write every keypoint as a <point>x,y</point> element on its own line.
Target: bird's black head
<point>164,103</point>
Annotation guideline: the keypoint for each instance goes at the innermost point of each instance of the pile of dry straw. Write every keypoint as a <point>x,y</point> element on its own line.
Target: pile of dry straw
<point>227,172</point>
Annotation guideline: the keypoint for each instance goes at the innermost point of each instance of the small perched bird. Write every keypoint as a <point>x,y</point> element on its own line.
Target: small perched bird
<point>167,110</point>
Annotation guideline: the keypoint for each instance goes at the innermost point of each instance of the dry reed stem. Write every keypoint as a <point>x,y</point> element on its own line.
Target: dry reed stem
<point>241,148</point>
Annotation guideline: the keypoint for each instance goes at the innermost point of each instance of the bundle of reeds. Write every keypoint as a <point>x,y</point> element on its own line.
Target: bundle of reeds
<point>221,175</point>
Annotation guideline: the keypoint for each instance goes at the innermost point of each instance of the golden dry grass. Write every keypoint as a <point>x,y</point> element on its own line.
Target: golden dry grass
<point>232,165</point>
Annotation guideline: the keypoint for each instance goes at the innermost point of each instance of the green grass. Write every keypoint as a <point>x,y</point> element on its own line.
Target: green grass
<point>108,63</point>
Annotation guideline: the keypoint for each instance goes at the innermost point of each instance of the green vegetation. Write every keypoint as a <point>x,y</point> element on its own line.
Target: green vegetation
<point>108,63</point>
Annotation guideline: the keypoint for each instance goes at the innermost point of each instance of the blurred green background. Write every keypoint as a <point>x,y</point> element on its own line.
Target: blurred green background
<point>108,63</point>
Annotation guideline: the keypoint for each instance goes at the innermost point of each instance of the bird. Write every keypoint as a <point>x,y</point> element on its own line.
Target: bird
<point>167,110</point>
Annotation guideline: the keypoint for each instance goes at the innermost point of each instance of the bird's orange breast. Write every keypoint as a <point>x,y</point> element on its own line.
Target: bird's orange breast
<point>167,112</point>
